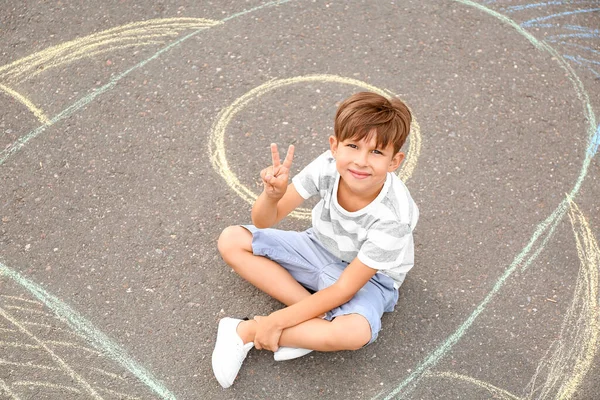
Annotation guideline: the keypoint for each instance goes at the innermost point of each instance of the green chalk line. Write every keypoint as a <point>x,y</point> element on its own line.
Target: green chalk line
<point>544,230</point>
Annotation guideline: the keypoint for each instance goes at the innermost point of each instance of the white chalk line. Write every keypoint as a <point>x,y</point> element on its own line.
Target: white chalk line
<point>544,230</point>
<point>6,389</point>
<point>28,365</point>
<point>77,322</point>
<point>21,299</point>
<point>58,360</point>
<point>47,385</point>
<point>86,330</point>
<point>29,310</point>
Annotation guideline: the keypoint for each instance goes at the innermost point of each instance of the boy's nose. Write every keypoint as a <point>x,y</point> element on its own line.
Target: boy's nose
<point>361,159</point>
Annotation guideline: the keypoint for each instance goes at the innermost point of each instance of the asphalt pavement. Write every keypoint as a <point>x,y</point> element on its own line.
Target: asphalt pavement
<point>133,133</point>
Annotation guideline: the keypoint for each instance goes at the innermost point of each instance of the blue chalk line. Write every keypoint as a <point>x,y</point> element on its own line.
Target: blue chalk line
<point>541,5</point>
<point>84,328</point>
<point>544,231</point>
<point>535,21</point>
<point>22,141</point>
<point>79,324</point>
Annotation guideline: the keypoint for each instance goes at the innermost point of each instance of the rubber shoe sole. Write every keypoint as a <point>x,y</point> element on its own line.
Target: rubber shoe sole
<point>289,353</point>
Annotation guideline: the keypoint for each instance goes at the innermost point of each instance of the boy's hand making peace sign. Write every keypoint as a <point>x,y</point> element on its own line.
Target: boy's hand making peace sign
<point>275,177</point>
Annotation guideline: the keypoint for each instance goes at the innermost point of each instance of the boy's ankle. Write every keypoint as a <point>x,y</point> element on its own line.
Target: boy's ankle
<point>246,330</point>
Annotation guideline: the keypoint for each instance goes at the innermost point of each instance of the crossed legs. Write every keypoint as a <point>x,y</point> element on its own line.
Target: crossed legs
<point>235,246</point>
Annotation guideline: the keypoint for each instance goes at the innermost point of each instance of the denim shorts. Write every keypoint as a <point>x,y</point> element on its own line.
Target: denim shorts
<point>315,268</point>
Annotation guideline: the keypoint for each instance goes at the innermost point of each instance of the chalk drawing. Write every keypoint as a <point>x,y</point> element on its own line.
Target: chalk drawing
<point>543,231</point>
<point>586,338</point>
<point>82,102</point>
<point>564,31</point>
<point>39,114</point>
<point>536,21</point>
<point>546,4</point>
<point>22,70</point>
<point>493,390</point>
<point>63,314</point>
<point>136,34</point>
<point>570,357</point>
<point>217,137</point>
<point>583,61</point>
<point>56,358</point>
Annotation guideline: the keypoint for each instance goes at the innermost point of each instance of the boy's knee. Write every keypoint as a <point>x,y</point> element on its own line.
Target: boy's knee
<point>232,238</point>
<point>360,333</point>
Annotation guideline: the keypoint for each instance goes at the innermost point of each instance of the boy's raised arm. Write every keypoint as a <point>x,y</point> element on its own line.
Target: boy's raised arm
<point>278,198</point>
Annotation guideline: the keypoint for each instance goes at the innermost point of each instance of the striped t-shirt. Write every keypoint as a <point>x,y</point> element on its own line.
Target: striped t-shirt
<point>380,234</point>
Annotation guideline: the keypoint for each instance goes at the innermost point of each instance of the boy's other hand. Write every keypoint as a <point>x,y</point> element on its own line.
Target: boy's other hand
<point>267,333</point>
<point>275,177</point>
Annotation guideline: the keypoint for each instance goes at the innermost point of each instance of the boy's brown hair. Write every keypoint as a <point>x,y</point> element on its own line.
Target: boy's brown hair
<point>362,112</point>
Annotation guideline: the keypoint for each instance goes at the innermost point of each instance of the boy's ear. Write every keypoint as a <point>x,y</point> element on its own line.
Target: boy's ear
<point>396,161</point>
<point>333,145</point>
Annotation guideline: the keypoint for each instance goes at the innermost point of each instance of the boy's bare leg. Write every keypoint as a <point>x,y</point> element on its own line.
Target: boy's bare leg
<point>318,334</point>
<point>235,246</point>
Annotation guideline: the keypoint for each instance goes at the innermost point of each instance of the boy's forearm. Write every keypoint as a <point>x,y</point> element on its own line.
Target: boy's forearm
<point>313,306</point>
<point>264,211</point>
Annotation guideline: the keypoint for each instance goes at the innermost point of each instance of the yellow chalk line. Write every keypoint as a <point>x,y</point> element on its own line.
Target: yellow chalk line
<point>64,366</point>
<point>579,335</point>
<point>19,345</point>
<point>28,365</point>
<point>39,114</point>
<point>119,395</point>
<point>92,45</point>
<point>79,55</point>
<point>414,151</point>
<point>21,299</point>
<point>24,68</point>
<point>103,372</point>
<point>47,385</point>
<point>217,135</point>
<point>496,391</point>
<point>73,345</point>
<point>30,310</point>
<point>4,387</point>
<point>50,327</point>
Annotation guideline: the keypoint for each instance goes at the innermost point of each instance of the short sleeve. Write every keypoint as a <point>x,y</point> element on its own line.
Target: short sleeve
<point>389,246</point>
<point>310,181</point>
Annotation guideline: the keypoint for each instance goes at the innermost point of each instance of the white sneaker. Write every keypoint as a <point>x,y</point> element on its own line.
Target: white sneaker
<point>229,353</point>
<point>289,353</point>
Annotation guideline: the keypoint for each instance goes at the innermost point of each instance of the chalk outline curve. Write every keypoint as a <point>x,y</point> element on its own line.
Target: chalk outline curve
<point>544,230</point>
<point>85,100</point>
<point>92,334</point>
<point>582,340</point>
<point>36,111</point>
<point>547,225</point>
<point>92,45</point>
<point>217,133</point>
<point>88,331</point>
<point>584,306</point>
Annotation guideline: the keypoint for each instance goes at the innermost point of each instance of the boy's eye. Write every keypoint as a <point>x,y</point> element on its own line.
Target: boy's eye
<point>377,152</point>
<point>352,145</point>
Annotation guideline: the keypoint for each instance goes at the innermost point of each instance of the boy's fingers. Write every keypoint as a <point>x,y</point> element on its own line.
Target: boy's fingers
<point>266,174</point>
<point>275,156</point>
<point>289,157</point>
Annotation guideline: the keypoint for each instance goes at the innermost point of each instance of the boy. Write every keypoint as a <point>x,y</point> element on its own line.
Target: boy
<point>353,258</point>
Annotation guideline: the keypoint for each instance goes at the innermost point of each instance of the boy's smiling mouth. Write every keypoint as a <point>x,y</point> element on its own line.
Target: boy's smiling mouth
<point>358,174</point>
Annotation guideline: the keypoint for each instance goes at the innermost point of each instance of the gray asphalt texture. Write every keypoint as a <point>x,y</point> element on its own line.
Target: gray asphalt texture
<point>115,207</point>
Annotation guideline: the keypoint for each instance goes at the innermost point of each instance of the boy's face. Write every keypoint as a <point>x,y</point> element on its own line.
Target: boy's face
<point>363,167</point>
